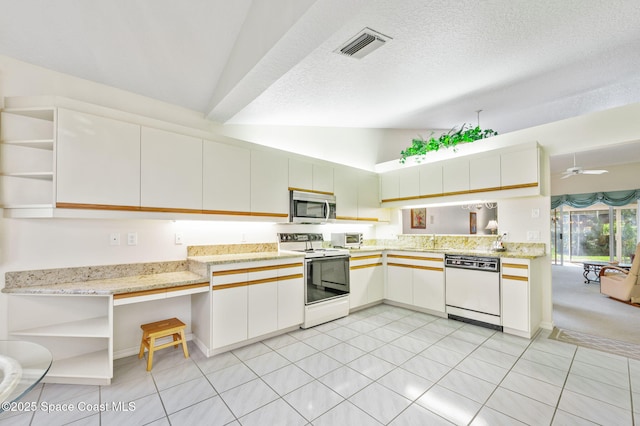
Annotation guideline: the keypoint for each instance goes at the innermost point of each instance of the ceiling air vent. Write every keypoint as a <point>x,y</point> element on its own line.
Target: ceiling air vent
<point>363,43</point>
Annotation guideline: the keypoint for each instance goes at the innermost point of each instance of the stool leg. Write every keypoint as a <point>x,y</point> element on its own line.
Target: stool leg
<point>152,344</point>
<point>176,338</point>
<point>141,354</point>
<point>184,344</point>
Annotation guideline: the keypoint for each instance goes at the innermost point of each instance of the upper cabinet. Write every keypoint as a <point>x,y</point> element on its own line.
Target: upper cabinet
<point>357,195</point>
<point>307,176</point>
<point>515,169</point>
<point>170,170</point>
<point>269,184</point>
<point>226,178</point>
<point>520,168</point>
<point>346,192</point>
<point>98,160</point>
<point>484,173</point>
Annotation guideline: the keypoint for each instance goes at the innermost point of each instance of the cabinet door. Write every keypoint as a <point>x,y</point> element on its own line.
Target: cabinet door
<point>98,160</point>
<point>226,177</point>
<point>229,316</point>
<point>300,174</point>
<point>358,287</point>
<point>520,167</point>
<point>390,185</point>
<point>290,302</point>
<point>269,183</point>
<point>430,179</point>
<point>455,176</point>
<point>262,309</point>
<point>375,292</point>
<point>323,178</point>
<point>428,289</point>
<point>171,170</point>
<point>346,192</point>
<point>400,284</point>
<point>484,172</point>
<point>369,200</point>
<point>409,182</point>
<point>515,304</point>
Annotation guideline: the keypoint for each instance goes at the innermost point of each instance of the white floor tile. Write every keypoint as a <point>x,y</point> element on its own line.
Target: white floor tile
<point>426,368</point>
<point>490,417</point>
<point>371,366</point>
<point>411,344</point>
<point>322,341</point>
<point>248,397</point>
<point>345,381</point>
<point>442,355</point>
<point>174,376</point>
<point>400,327</point>
<point>313,400</point>
<point>601,391</point>
<point>343,333</point>
<point>426,335</point>
<point>344,352</point>
<point>520,407</point>
<point>482,370</point>
<point>493,356</point>
<point>147,410</point>
<point>533,388</point>
<point>296,351</point>
<point>213,410</point>
<point>593,410</point>
<point>218,362</point>
<point>266,363</point>
<point>280,341</point>
<point>562,418</point>
<point>275,413</point>
<point>345,413</point>
<point>287,379</point>
<point>393,354</point>
<point>230,377</point>
<point>416,415</point>
<point>541,372</point>
<point>546,358</point>
<point>601,374</point>
<point>318,365</point>
<point>407,384</point>
<point>186,394</point>
<point>379,402</point>
<point>366,343</point>
<point>450,405</point>
<point>362,326</point>
<point>467,385</point>
<point>251,351</point>
<point>602,359</point>
<point>457,345</point>
<point>511,345</point>
<point>469,336</point>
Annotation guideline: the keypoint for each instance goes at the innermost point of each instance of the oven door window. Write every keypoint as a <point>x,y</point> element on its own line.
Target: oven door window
<point>327,278</point>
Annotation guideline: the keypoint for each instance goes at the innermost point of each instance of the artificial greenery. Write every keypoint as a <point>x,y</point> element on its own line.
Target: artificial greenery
<point>451,139</point>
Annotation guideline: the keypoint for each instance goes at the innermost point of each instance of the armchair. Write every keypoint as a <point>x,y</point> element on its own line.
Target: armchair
<point>621,284</point>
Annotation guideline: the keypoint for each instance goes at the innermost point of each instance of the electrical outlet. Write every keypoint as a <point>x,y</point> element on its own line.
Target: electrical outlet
<point>533,235</point>
<point>178,238</point>
<point>535,213</point>
<point>114,238</point>
<point>132,238</point>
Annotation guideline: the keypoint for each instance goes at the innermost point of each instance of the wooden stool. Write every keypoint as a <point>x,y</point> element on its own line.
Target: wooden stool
<point>156,330</point>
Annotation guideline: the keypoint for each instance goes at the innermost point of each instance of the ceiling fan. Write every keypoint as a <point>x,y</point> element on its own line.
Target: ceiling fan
<point>577,170</point>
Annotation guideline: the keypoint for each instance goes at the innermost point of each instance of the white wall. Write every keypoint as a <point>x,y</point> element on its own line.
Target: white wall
<point>618,178</point>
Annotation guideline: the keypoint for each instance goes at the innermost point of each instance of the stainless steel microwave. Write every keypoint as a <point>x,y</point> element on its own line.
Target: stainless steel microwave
<point>311,207</point>
<point>346,239</point>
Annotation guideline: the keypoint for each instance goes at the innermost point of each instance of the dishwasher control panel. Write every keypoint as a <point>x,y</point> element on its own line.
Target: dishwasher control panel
<point>479,263</point>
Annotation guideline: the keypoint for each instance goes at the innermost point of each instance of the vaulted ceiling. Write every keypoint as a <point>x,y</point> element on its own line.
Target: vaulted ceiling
<point>272,62</point>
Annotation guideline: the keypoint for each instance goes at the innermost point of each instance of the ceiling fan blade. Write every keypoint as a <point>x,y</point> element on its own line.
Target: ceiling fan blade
<point>567,175</point>
<point>594,172</point>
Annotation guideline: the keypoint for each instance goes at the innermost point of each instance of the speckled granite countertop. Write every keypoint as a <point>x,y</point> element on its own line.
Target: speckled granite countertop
<point>114,285</point>
<point>244,257</point>
<point>501,254</point>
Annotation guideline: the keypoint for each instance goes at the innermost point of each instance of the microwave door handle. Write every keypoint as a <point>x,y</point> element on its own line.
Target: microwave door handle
<point>328,210</point>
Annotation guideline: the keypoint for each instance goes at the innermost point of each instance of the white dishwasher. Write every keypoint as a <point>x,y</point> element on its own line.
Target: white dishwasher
<point>473,289</point>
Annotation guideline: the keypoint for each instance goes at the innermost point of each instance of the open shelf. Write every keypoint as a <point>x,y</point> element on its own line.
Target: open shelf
<point>32,175</point>
<point>35,112</point>
<point>92,327</point>
<point>92,365</point>
<point>32,143</point>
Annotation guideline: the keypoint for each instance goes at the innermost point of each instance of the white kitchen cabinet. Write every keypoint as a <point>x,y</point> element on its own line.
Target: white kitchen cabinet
<point>346,192</point>
<point>76,329</point>
<point>521,167</point>
<point>484,173</point>
<point>170,171</point>
<point>416,279</point>
<point>455,176</point>
<point>430,176</point>
<point>269,184</point>
<point>27,142</point>
<point>98,160</point>
<point>311,177</point>
<point>409,181</point>
<point>521,296</point>
<point>290,295</point>
<point>390,185</point>
<point>253,299</point>
<point>366,279</point>
<point>226,178</point>
<point>369,199</point>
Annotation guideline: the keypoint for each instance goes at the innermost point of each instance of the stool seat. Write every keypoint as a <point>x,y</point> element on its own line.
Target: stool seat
<point>172,327</point>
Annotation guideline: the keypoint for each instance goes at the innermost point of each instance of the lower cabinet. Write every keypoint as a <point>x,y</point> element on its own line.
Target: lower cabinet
<point>366,279</point>
<point>254,299</point>
<point>416,279</point>
<point>77,329</point>
<point>521,296</point>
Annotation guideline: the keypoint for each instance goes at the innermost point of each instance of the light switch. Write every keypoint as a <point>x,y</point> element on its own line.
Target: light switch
<point>132,238</point>
<point>535,213</point>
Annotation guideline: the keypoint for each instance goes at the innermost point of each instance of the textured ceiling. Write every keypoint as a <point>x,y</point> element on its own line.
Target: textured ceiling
<point>271,62</point>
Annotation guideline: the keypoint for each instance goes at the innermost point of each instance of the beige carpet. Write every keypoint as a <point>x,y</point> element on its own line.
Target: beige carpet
<point>580,308</point>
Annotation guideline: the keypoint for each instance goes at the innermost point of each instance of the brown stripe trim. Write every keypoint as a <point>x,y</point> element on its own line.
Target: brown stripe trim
<point>256,282</point>
<point>428,268</point>
<point>262,281</point>
<point>368,265</point>
<point>310,190</point>
<point>402,256</point>
<point>364,219</point>
<point>159,290</point>
<point>470,191</point>
<point>230,285</point>
<point>226,212</point>
<point>515,265</point>
<point>370,256</point>
<point>290,277</point>
<point>266,214</point>
<point>514,277</point>
<point>165,210</point>
<point>96,207</point>
<point>257,269</point>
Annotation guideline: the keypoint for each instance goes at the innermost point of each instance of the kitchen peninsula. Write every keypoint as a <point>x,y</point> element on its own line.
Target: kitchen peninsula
<point>231,295</point>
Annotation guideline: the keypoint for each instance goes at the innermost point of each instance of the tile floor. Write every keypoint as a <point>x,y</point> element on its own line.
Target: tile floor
<point>383,365</point>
